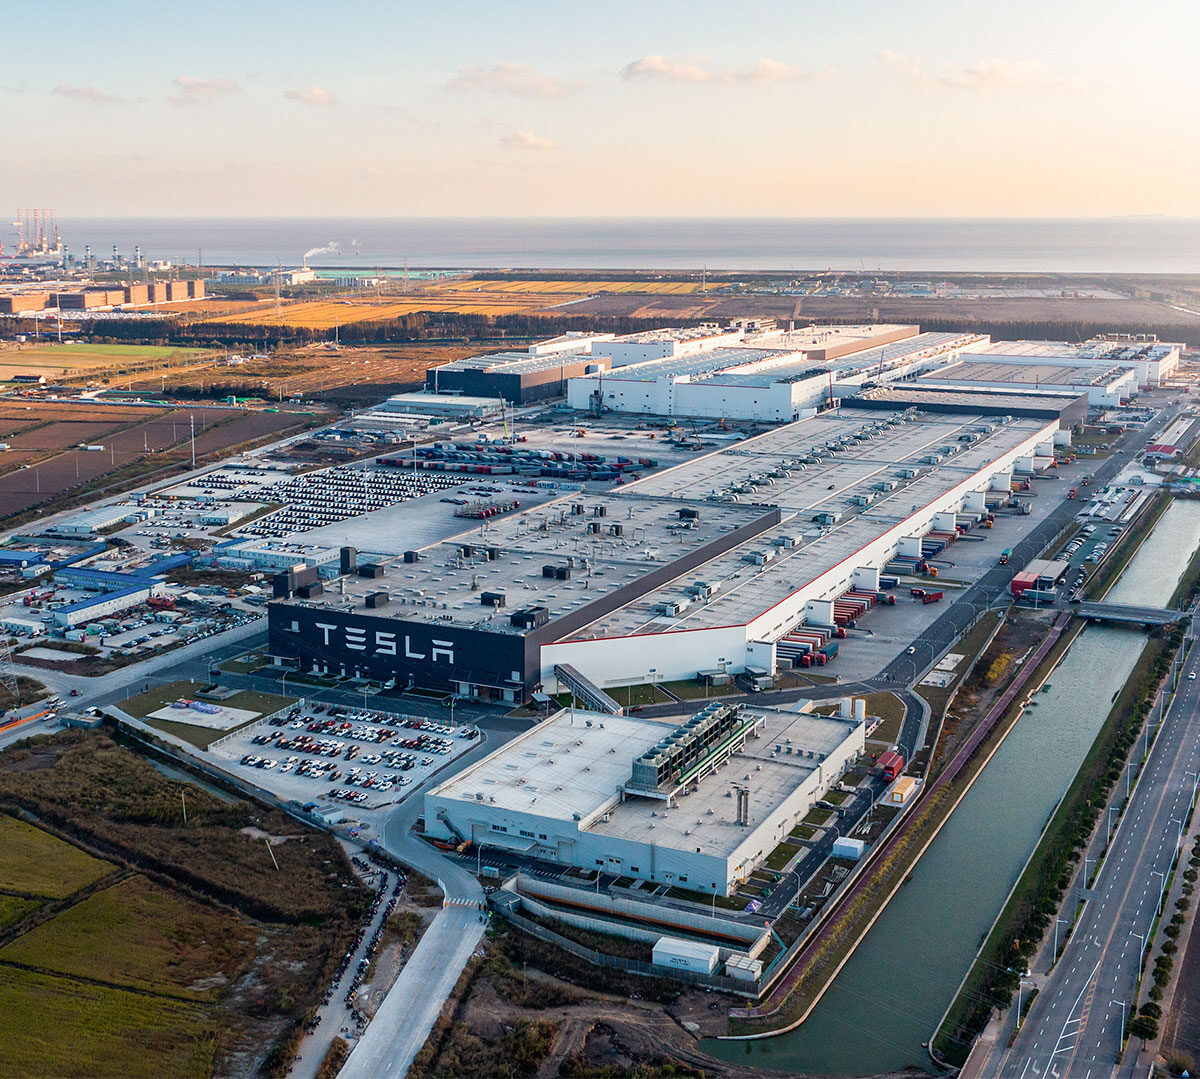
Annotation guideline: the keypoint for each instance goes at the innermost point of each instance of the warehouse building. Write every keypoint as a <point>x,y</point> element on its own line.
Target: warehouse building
<point>1105,385</point>
<point>1067,408</point>
<point>1151,360</point>
<point>697,803</point>
<point>446,405</point>
<point>775,377</point>
<point>707,566</point>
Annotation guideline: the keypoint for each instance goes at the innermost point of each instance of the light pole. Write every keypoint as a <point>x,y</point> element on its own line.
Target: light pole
<point>1141,941</point>
<point>1021,983</point>
<point>1108,837</point>
<point>1122,1006</point>
<point>1054,957</point>
<point>1157,873</point>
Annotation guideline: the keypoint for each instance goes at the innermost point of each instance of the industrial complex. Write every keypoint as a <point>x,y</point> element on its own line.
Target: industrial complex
<point>698,803</point>
<point>707,566</point>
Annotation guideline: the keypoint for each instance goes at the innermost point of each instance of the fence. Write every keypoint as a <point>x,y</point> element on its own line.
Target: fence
<point>630,966</point>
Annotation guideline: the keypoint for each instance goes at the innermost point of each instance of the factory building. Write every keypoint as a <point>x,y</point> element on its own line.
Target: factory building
<point>446,405</point>
<point>697,803</point>
<point>707,566</point>
<point>780,377</point>
<point>1106,385</point>
<point>1152,361</point>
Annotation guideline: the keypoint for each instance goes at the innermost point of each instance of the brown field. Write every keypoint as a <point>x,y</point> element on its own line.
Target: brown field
<point>348,374</point>
<point>157,440</point>
<point>1135,314</point>
<point>459,296</point>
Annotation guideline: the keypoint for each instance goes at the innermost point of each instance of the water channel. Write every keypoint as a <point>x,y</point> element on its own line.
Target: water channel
<point>887,999</point>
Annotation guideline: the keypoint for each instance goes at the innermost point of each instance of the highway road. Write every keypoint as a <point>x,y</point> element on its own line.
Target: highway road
<point>1074,1027</point>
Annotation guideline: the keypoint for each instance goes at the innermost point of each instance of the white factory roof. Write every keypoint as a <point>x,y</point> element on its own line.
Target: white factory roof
<point>571,768</point>
<point>729,488</point>
<point>979,369</point>
<point>746,590</point>
<point>1099,349</point>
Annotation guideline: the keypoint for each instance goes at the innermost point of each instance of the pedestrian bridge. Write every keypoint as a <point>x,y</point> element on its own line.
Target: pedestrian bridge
<point>1116,612</point>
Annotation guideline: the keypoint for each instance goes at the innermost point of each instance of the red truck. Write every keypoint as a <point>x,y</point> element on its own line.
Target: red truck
<point>931,597</point>
<point>890,764</point>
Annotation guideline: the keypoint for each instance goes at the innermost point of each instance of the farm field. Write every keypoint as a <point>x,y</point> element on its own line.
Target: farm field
<point>137,441</point>
<point>203,970</point>
<point>34,862</point>
<point>87,360</point>
<point>140,935</point>
<point>51,1025</point>
<point>325,314</point>
<point>471,296</point>
<point>351,373</point>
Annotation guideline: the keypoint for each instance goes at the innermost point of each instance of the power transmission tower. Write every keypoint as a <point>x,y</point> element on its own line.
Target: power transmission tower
<point>8,672</point>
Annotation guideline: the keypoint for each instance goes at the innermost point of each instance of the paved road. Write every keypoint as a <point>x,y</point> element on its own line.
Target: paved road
<point>1075,1025</point>
<point>408,1012</point>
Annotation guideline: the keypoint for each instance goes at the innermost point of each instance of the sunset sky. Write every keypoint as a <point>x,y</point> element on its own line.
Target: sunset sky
<point>850,108</point>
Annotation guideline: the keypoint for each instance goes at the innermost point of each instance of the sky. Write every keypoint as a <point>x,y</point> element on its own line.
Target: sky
<point>799,108</point>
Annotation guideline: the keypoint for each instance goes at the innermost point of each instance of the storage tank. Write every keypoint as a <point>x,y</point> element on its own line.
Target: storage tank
<point>846,705</point>
<point>860,709</point>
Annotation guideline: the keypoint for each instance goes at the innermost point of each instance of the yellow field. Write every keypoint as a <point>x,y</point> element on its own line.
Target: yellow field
<point>576,288</point>
<point>324,315</point>
<point>459,296</point>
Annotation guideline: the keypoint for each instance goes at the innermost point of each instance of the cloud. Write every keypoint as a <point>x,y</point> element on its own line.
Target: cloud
<point>765,70</point>
<point>525,140</point>
<point>985,76</point>
<point>311,95</point>
<point>192,90</point>
<point>662,67</point>
<point>85,93</point>
<point>510,78</point>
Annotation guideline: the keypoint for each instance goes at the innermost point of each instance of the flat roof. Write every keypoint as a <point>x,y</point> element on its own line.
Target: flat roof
<point>747,590</point>
<point>446,587</point>
<point>571,768</point>
<point>726,489</point>
<point>1029,374</point>
<point>1096,349</point>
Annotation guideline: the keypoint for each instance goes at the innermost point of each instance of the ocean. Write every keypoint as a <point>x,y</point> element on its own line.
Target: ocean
<point>1108,245</point>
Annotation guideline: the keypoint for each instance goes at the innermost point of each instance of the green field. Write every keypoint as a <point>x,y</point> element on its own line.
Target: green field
<point>140,935</point>
<point>54,361</point>
<point>37,863</point>
<point>55,1026</point>
<point>13,909</point>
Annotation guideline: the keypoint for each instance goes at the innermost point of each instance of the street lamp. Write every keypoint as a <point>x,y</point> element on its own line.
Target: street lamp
<point>1054,956</point>
<point>1162,891</point>
<point>1141,940</point>
<point>1021,983</point>
<point>1108,836</point>
<point>1122,1005</point>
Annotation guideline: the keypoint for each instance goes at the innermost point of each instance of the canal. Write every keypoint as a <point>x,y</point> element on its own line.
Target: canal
<point>886,1001</point>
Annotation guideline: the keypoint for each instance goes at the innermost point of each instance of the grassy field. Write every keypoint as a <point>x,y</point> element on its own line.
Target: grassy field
<point>56,1026</point>
<point>13,909</point>
<point>65,361</point>
<point>36,863</point>
<point>140,935</point>
<point>160,696</point>
<point>207,968</point>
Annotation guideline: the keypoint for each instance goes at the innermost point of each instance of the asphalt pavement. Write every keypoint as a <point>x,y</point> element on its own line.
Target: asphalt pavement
<point>1075,1025</point>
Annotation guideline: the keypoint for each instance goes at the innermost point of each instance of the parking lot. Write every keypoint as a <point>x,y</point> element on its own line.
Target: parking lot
<point>328,756</point>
